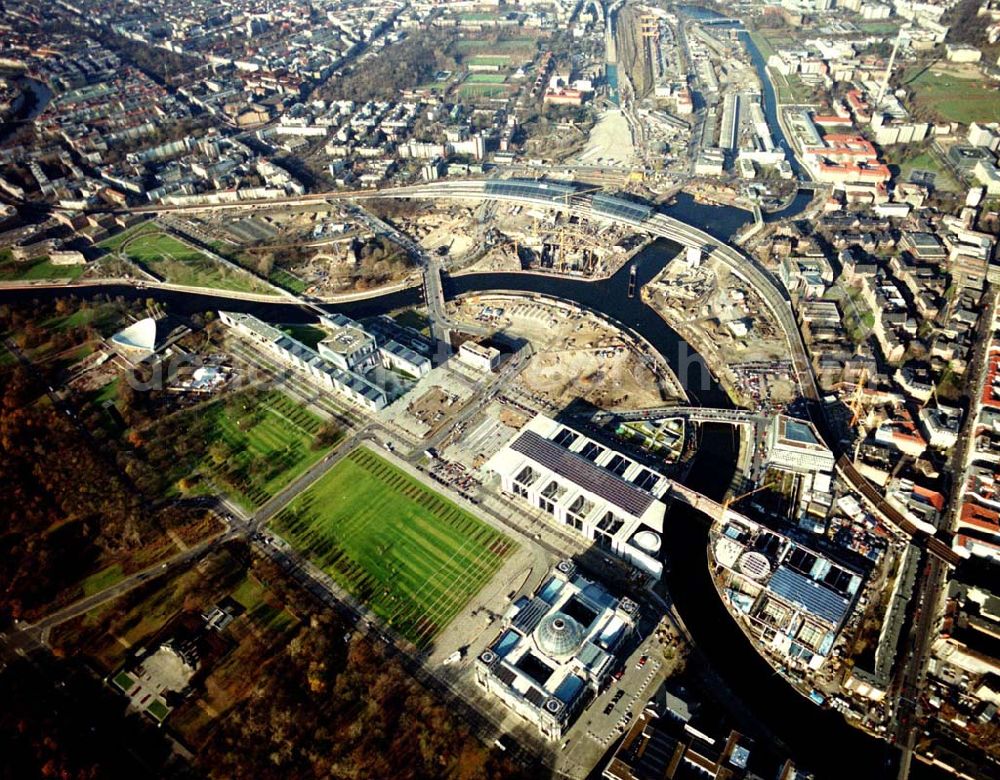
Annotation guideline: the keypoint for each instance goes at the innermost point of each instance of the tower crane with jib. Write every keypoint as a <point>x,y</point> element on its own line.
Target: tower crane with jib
<point>856,404</point>
<point>730,501</point>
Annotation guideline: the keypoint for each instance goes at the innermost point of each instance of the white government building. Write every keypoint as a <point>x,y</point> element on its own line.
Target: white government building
<point>557,648</point>
<point>793,445</point>
<point>342,359</point>
<point>308,361</point>
<point>607,497</point>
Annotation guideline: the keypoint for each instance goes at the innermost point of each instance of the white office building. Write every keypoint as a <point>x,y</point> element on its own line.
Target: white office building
<point>348,346</point>
<point>305,360</point>
<point>479,356</point>
<point>793,445</point>
<point>605,496</point>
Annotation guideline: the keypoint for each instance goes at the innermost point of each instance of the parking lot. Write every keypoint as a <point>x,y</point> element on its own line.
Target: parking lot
<point>610,714</point>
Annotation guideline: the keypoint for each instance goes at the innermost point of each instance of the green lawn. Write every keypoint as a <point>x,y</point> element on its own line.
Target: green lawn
<point>485,78</point>
<point>106,318</point>
<point>952,98</point>
<point>265,446</point>
<point>287,281</point>
<point>114,243</point>
<point>763,43</point>
<point>310,335</point>
<point>249,593</point>
<point>107,393</point>
<point>36,270</point>
<point>413,556</point>
<point>482,90</point>
<point>489,59</point>
<point>510,44</point>
<point>792,89</point>
<point>411,318</point>
<point>879,28</point>
<point>124,681</point>
<point>178,263</point>
<point>928,161</point>
<point>103,580</point>
<point>157,709</point>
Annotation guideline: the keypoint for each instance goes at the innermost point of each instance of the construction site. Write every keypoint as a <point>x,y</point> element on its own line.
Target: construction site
<point>576,355</point>
<point>323,250</point>
<point>452,229</point>
<point>521,238</point>
<point>726,322</point>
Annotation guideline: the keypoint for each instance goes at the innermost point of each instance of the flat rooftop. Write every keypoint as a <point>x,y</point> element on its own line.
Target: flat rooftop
<point>346,340</point>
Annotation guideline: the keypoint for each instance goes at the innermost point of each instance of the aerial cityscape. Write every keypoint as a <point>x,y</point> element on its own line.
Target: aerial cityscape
<point>500,389</point>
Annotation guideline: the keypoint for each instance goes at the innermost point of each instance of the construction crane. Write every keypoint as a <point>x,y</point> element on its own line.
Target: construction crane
<point>564,232</point>
<point>576,193</point>
<point>730,501</point>
<point>857,397</point>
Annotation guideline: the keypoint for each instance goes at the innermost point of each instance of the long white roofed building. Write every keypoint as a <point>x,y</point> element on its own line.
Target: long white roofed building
<point>306,360</point>
<point>604,495</point>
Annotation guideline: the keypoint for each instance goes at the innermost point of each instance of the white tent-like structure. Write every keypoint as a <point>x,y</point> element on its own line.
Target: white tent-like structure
<point>137,338</point>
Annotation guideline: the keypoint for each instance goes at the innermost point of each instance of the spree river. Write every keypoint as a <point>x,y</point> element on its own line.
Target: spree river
<point>817,739</point>
<point>768,710</point>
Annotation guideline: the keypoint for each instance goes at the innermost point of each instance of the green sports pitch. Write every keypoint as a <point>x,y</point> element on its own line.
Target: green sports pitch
<point>486,78</point>
<point>414,557</point>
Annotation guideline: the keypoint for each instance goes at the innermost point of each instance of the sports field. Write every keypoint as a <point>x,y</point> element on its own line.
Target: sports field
<point>176,262</point>
<point>492,60</point>
<point>482,90</point>
<point>510,44</point>
<point>412,555</point>
<point>486,78</point>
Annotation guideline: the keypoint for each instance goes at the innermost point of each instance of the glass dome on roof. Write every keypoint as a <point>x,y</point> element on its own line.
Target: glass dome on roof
<point>559,634</point>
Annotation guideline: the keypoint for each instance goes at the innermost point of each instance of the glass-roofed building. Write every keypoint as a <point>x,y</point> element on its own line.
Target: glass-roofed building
<point>794,599</point>
<point>556,649</point>
<point>793,445</point>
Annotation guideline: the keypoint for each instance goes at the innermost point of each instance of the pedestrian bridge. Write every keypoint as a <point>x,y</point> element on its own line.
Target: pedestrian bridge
<point>692,413</point>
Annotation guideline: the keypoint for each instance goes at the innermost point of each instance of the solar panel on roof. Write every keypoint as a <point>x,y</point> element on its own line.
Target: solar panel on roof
<point>528,618</point>
<point>808,594</point>
<point>583,473</point>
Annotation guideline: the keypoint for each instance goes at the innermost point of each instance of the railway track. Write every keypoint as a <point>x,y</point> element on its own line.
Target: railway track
<point>937,544</point>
